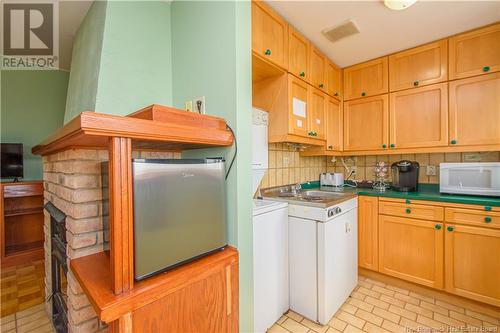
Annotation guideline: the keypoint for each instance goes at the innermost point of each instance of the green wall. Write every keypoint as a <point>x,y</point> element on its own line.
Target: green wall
<point>211,57</point>
<point>85,62</point>
<point>32,108</point>
<point>136,65</point>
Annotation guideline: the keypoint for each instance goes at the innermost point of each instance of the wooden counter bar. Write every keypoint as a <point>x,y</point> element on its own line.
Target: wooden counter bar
<point>200,296</point>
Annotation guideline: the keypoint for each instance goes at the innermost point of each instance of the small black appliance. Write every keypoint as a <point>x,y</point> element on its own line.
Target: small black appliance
<point>12,160</point>
<point>405,176</point>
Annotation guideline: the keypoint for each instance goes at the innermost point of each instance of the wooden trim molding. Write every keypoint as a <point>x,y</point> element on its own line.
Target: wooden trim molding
<point>121,214</point>
<point>155,127</point>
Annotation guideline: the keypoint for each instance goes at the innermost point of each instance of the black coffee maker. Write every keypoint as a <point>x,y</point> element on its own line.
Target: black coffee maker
<point>405,176</point>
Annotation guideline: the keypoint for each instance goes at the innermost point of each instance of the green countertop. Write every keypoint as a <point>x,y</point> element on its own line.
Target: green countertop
<point>429,192</point>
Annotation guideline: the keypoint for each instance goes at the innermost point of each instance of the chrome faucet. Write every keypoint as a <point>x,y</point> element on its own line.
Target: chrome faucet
<point>296,188</point>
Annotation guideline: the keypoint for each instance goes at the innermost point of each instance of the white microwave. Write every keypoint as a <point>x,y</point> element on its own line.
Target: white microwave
<point>470,178</point>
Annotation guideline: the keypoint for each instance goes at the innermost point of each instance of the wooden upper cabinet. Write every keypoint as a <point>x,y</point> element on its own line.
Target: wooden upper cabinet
<point>269,34</point>
<point>475,110</point>
<point>475,52</point>
<point>318,69</point>
<point>298,55</point>
<point>299,108</point>
<point>472,263</point>
<point>334,80</point>
<point>423,65</point>
<point>366,79</point>
<point>366,123</point>
<point>419,117</point>
<point>334,125</point>
<point>317,113</point>
<point>368,232</point>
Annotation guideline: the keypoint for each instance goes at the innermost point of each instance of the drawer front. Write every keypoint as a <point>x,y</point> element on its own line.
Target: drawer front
<point>425,212</point>
<point>22,190</point>
<point>473,217</point>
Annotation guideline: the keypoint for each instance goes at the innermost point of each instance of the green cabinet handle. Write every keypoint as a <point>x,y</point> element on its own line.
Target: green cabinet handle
<point>363,94</point>
<point>384,146</point>
<point>408,210</point>
<point>437,227</point>
<point>330,147</point>
<point>486,69</point>
<point>453,142</point>
<point>487,208</point>
<point>321,85</point>
<point>302,74</point>
<point>267,52</point>
<point>392,145</point>
<point>450,228</point>
<point>487,219</point>
<point>415,83</point>
<point>408,201</point>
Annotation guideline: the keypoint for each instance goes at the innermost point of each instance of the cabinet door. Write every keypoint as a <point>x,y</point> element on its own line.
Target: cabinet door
<point>472,263</point>
<point>411,250</point>
<point>333,80</point>
<point>318,69</point>
<point>269,34</point>
<point>299,109</point>
<point>475,53</point>
<point>368,232</point>
<point>298,55</point>
<point>366,123</point>
<point>419,117</point>
<point>334,125</point>
<point>475,110</point>
<point>366,79</point>
<point>427,64</point>
<point>317,115</point>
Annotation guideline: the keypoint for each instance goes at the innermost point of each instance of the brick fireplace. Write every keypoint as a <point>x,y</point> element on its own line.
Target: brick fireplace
<point>72,183</point>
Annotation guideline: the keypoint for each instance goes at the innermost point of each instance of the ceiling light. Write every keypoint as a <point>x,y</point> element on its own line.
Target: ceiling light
<point>398,4</point>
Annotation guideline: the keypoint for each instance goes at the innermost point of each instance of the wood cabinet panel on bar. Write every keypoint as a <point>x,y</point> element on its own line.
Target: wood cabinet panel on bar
<point>420,66</point>
<point>475,53</point>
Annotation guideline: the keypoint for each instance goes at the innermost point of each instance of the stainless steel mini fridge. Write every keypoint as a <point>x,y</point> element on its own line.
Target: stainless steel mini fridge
<point>179,212</point>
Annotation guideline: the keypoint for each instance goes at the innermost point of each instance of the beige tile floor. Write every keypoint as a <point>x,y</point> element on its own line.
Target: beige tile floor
<point>376,307</point>
<point>31,320</point>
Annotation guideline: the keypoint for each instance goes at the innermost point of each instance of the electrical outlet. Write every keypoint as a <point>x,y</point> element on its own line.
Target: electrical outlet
<point>199,104</point>
<point>188,106</point>
<point>431,170</point>
<point>472,157</point>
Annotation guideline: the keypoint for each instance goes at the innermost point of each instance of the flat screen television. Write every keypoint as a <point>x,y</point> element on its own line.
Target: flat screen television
<point>12,160</point>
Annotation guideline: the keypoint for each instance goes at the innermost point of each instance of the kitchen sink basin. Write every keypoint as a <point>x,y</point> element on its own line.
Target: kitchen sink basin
<point>289,193</point>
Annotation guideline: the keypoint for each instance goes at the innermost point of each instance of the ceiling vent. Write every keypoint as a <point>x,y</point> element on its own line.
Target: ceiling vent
<point>341,31</point>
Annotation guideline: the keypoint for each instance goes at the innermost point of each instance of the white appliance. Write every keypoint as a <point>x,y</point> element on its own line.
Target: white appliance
<point>270,262</point>
<point>470,178</point>
<point>323,258</point>
<point>259,146</point>
<point>332,179</point>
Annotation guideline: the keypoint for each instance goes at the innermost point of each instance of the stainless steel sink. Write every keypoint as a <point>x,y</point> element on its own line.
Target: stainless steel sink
<point>290,193</point>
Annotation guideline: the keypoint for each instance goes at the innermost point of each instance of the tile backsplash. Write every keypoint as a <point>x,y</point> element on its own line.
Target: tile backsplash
<point>286,166</point>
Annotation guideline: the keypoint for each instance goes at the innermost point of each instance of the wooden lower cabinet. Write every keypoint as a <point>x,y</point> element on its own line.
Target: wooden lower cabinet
<point>411,249</point>
<point>472,263</point>
<point>368,232</point>
<point>209,305</point>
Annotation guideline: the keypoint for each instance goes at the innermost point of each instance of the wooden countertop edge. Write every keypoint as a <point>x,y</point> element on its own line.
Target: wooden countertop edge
<point>92,272</point>
<point>105,125</point>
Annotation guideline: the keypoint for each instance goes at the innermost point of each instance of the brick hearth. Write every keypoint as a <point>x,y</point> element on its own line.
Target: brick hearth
<point>72,182</point>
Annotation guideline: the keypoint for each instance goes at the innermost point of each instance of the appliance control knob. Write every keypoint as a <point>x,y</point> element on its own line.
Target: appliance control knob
<point>331,212</point>
<point>338,210</point>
